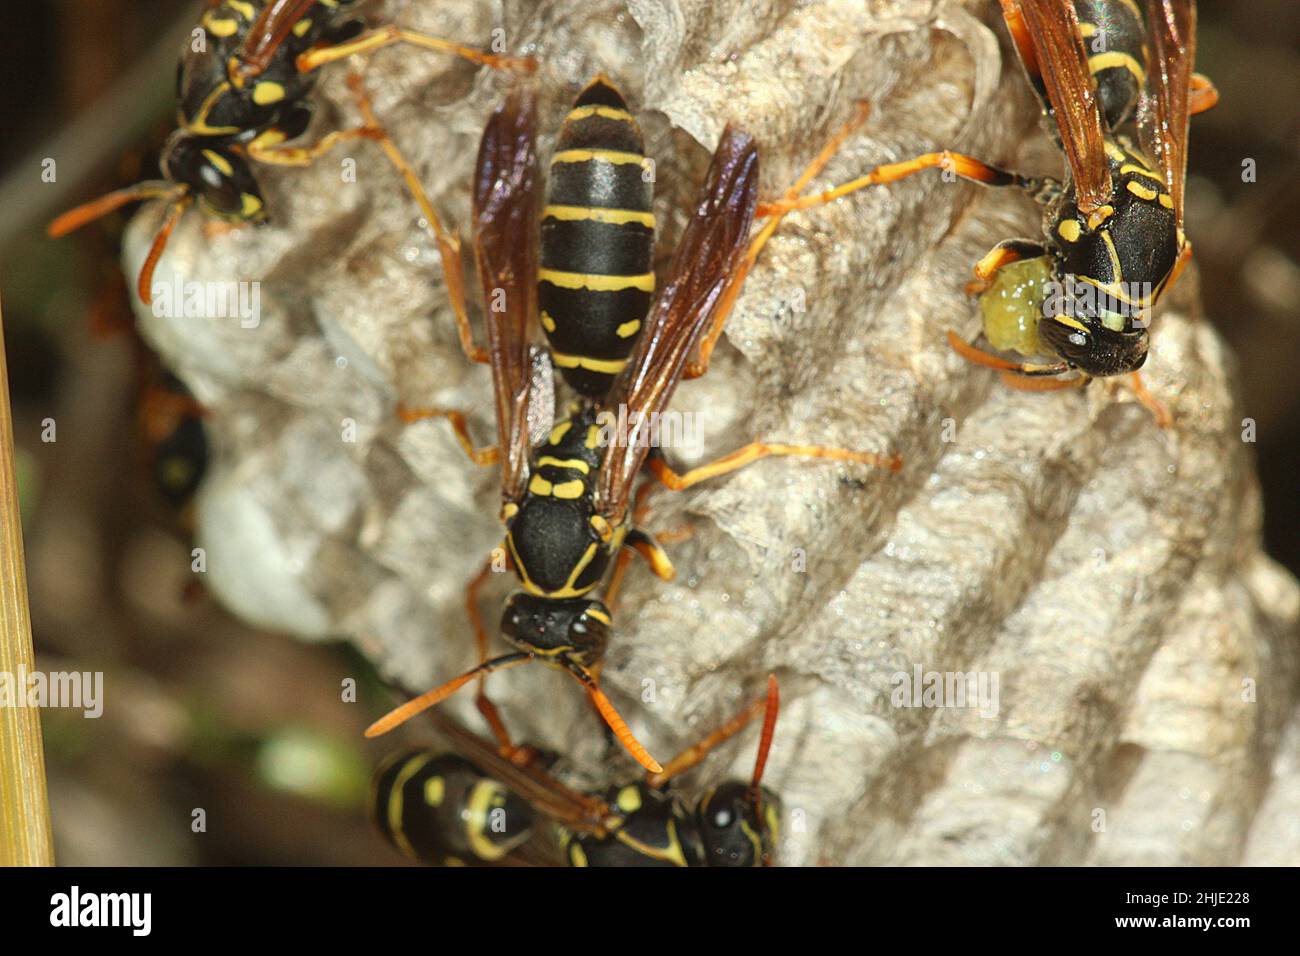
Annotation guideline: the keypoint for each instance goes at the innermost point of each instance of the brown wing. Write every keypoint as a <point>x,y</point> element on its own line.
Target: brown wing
<point>545,794</point>
<point>1062,62</point>
<point>268,32</point>
<point>1165,106</point>
<point>706,256</point>
<point>505,248</point>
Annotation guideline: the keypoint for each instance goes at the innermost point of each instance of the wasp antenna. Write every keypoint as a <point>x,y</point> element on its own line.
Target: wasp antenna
<point>144,285</point>
<point>765,740</point>
<point>74,219</point>
<point>402,714</point>
<point>612,717</point>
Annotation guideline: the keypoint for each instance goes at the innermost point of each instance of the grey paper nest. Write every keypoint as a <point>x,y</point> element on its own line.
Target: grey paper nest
<point>1107,573</point>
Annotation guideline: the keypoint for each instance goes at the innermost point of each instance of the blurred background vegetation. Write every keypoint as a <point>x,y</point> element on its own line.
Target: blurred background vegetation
<point>202,710</point>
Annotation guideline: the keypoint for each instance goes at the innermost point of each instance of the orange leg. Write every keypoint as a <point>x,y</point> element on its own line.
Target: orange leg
<point>1021,370</point>
<point>1003,254</point>
<point>487,455</point>
<point>1204,94</point>
<point>737,279</point>
<point>389,35</point>
<point>453,269</point>
<point>486,707</point>
<point>756,450</point>
<point>693,755</point>
<point>1149,401</point>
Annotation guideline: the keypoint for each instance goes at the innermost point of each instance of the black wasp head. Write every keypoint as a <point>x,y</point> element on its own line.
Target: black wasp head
<point>732,830</point>
<point>576,629</point>
<point>1095,348</point>
<point>219,178</point>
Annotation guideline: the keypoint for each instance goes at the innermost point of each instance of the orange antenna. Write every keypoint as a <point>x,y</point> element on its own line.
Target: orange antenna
<point>74,219</point>
<point>765,741</point>
<point>144,284</point>
<point>612,717</point>
<point>401,715</point>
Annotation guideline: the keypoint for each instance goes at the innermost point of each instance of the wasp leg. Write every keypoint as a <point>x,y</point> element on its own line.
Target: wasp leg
<point>300,156</point>
<point>1026,370</point>
<point>453,269</point>
<point>1003,254</point>
<point>737,279</point>
<point>694,754</point>
<point>1205,96</point>
<point>643,544</point>
<point>967,167</point>
<point>389,35</point>
<point>521,756</point>
<point>487,455</point>
<point>1152,404</point>
<point>144,284</point>
<point>753,452</point>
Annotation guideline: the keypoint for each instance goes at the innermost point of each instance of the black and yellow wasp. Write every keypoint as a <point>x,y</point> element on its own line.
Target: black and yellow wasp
<point>477,808</point>
<point>566,506</point>
<point>241,87</point>
<point>1114,239</point>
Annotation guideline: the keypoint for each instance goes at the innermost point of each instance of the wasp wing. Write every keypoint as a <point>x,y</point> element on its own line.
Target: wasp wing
<point>505,249</point>
<point>706,256</point>
<point>1165,106</point>
<point>268,33</point>
<point>576,811</point>
<point>1062,64</point>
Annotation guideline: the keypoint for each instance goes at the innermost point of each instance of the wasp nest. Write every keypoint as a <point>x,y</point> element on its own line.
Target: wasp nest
<point>1102,578</point>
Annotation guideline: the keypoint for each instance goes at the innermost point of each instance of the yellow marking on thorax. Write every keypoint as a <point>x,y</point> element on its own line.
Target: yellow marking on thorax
<point>629,800</point>
<point>1070,230</point>
<point>568,590</point>
<point>267,92</point>
<point>249,205</point>
<point>243,8</point>
<point>577,464</point>
<point>608,112</point>
<point>537,485</point>
<point>548,323</point>
<point>1142,192</point>
<point>199,125</point>
<point>219,27</point>
<point>301,27</point>
<point>559,431</point>
<point>1167,200</point>
<point>593,436</point>
<point>607,366</point>
<point>596,283</point>
<point>570,490</point>
<point>1099,216</point>
<point>435,791</point>
<point>618,157</point>
<point>1141,171</point>
<point>1114,152</point>
<point>672,853</point>
<point>618,217</point>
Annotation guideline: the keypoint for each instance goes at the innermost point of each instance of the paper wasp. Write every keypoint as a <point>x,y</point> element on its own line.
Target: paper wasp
<point>480,808</point>
<point>566,507</point>
<point>1114,239</point>
<point>242,94</point>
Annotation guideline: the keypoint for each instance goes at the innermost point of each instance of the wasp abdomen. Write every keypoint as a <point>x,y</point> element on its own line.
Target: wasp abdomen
<point>597,276</point>
<point>1114,35</point>
<point>441,809</point>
